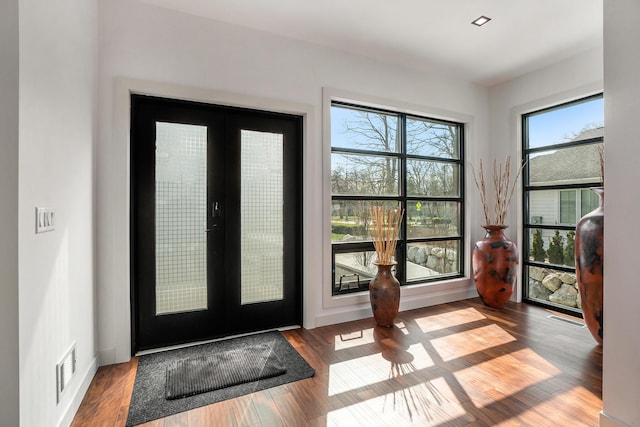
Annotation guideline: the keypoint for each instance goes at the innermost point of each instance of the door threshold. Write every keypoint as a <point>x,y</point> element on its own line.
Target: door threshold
<point>192,344</point>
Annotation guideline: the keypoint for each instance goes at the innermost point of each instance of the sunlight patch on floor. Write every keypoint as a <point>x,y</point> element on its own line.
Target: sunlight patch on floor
<point>474,340</point>
<point>363,371</point>
<point>426,404</point>
<point>505,375</point>
<point>354,339</point>
<point>449,319</point>
<point>573,403</point>
<point>362,337</point>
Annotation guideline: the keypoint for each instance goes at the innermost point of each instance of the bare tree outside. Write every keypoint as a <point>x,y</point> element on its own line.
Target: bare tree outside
<point>370,175</point>
<point>372,132</point>
<point>378,132</point>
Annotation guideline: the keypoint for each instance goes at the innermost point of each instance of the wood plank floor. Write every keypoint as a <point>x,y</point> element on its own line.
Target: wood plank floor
<point>457,364</point>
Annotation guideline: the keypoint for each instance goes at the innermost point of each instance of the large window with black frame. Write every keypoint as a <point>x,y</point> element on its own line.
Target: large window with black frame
<point>395,160</point>
<point>562,146</point>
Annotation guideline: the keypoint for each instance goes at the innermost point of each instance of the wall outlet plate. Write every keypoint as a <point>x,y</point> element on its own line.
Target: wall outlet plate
<point>45,220</point>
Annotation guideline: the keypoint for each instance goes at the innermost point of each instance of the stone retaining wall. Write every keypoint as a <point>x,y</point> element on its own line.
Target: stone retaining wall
<point>442,260</point>
<point>544,284</point>
<point>555,286</point>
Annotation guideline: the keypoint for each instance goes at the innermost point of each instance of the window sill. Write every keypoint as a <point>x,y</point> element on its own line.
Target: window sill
<point>412,291</point>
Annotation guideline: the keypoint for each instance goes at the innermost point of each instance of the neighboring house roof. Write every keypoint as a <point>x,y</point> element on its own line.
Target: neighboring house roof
<point>589,134</point>
<point>568,165</point>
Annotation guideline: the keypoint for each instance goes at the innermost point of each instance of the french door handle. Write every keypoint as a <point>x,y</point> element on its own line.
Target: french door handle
<point>216,210</point>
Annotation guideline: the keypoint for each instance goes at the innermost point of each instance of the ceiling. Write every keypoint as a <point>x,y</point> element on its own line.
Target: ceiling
<point>428,35</point>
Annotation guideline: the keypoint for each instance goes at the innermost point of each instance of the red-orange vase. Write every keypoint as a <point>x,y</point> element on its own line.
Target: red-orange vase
<point>384,294</point>
<point>495,262</point>
<point>589,248</point>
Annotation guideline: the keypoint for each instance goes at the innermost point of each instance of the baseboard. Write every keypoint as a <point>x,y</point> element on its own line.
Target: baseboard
<point>72,407</point>
<point>441,296</point>
<point>362,311</point>
<point>608,421</point>
<point>345,316</point>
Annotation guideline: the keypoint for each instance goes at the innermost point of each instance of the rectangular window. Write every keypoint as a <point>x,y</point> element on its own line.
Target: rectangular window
<point>561,146</point>
<point>391,159</point>
<point>588,202</point>
<point>568,207</point>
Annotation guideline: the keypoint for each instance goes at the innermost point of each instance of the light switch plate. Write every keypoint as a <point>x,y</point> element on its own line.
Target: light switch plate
<point>45,220</point>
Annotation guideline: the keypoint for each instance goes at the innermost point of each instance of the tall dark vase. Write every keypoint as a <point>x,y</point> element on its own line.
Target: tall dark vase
<point>384,293</point>
<point>495,261</point>
<point>589,248</point>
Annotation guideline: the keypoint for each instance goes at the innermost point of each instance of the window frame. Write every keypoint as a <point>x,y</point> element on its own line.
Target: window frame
<point>403,198</point>
<point>531,226</point>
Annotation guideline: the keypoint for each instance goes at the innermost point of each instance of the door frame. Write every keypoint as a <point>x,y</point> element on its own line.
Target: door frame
<point>113,208</point>
<point>225,314</point>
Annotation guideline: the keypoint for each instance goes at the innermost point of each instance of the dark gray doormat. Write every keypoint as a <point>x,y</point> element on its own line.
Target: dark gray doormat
<point>148,400</point>
<point>188,377</point>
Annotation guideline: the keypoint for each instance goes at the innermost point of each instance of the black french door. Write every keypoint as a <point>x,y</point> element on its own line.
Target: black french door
<point>215,221</point>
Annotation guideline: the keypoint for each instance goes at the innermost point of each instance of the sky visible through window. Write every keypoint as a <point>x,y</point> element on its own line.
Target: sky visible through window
<point>547,128</point>
<point>563,124</point>
<point>342,138</point>
<point>339,137</point>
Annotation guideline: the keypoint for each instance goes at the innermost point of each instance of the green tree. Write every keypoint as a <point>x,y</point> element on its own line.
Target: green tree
<point>556,249</point>
<point>537,246</point>
<point>569,255</point>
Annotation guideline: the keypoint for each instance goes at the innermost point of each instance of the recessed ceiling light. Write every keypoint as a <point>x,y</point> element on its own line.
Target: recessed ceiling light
<point>481,21</point>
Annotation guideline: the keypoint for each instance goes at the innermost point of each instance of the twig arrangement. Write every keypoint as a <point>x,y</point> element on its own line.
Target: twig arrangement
<point>385,232</point>
<point>600,149</point>
<point>503,186</point>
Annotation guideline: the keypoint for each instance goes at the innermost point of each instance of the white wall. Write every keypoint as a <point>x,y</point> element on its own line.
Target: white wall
<point>9,378</point>
<point>545,203</point>
<point>621,366</point>
<point>229,63</point>
<point>57,116</point>
<point>572,78</point>
<point>575,77</point>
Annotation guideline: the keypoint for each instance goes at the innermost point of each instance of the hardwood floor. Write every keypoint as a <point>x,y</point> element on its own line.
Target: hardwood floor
<point>457,364</point>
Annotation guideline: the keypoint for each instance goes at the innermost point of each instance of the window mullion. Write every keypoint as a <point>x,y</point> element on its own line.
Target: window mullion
<point>402,240</point>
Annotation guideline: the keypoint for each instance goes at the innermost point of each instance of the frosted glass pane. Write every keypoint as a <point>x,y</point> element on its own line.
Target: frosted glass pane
<point>261,222</point>
<point>181,214</point>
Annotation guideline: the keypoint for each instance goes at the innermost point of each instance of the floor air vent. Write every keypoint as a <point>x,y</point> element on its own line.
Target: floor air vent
<point>564,319</point>
<point>64,370</point>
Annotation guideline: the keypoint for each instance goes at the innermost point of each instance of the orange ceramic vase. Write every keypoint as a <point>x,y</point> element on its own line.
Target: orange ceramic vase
<point>384,293</point>
<point>589,249</point>
<point>495,261</point>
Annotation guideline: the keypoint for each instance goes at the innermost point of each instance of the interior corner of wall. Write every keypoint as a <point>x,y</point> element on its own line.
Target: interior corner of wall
<point>107,357</point>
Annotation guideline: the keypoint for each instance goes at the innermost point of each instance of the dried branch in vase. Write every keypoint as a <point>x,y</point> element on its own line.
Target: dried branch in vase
<point>600,149</point>
<point>386,226</point>
<point>504,189</point>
